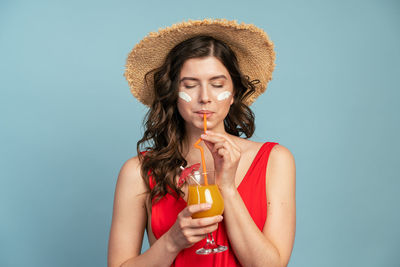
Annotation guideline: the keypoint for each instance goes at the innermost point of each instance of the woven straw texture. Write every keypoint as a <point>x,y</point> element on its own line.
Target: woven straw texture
<point>251,45</point>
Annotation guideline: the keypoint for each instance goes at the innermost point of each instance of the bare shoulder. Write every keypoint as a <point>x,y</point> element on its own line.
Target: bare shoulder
<point>281,156</point>
<point>281,164</point>
<point>131,167</point>
<point>130,176</point>
<point>130,188</point>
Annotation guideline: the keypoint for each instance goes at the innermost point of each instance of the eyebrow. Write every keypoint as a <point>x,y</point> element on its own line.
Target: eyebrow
<point>194,79</point>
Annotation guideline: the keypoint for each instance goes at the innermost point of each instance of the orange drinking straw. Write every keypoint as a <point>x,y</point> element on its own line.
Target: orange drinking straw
<point>196,145</point>
<point>205,122</point>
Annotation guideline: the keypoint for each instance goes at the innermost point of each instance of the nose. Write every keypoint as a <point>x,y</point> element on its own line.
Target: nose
<point>204,95</point>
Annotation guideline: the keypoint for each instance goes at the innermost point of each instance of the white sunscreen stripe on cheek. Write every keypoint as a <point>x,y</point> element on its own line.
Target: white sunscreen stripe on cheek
<point>224,95</point>
<point>185,96</point>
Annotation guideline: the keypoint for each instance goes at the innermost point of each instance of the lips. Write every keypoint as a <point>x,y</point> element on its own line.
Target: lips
<point>202,112</point>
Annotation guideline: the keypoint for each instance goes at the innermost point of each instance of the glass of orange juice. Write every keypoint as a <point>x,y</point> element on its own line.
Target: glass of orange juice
<point>200,192</point>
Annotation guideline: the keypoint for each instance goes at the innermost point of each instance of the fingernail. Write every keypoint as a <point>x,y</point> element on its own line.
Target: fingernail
<point>207,205</point>
<point>220,217</point>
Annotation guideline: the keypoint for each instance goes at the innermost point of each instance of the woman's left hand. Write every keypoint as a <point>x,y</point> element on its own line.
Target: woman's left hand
<point>226,156</point>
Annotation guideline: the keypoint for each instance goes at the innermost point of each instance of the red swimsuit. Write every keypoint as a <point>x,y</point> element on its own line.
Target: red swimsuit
<point>252,191</point>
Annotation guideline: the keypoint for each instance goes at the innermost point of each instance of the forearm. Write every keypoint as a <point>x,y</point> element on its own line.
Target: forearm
<point>251,247</point>
<point>160,254</point>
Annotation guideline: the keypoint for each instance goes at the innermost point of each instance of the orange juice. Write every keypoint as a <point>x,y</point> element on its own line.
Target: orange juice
<point>206,194</point>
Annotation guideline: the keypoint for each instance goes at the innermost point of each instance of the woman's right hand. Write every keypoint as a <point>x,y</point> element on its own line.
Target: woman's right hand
<point>187,231</point>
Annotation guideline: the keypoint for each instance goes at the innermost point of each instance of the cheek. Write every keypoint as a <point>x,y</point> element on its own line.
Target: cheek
<point>224,98</point>
<point>223,95</point>
<point>183,107</point>
<point>185,97</point>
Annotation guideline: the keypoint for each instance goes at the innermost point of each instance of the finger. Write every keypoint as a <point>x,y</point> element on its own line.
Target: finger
<point>218,144</point>
<point>225,137</point>
<point>225,150</point>
<point>196,238</point>
<point>220,150</point>
<point>224,153</point>
<point>189,210</point>
<point>208,144</point>
<point>222,145</point>
<point>220,141</point>
<point>204,230</point>
<point>202,222</point>
<point>212,138</point>
<point>213,148</point>
<point>226,145</point>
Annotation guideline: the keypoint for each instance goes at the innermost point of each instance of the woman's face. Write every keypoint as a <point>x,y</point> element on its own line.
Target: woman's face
<point>205,87</point>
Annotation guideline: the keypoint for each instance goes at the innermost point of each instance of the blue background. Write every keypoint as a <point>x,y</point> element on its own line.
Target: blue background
<point>68,122</point>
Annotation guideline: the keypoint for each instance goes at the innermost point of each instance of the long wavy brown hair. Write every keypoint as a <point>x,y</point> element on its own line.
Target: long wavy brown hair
<point>164,126</point>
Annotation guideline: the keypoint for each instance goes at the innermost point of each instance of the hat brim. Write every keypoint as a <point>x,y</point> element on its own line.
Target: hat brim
<point>253,49</point>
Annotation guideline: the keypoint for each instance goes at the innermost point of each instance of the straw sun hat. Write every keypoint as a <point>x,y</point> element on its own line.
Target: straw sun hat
<point>251,45</point>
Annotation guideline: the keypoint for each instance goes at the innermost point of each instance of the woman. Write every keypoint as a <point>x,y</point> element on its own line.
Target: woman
<point>217,68</point>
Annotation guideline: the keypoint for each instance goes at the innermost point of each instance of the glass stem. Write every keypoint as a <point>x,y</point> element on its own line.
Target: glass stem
<point>210,236</point>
